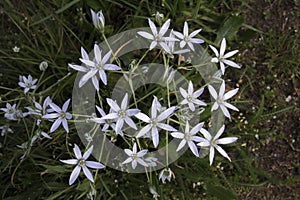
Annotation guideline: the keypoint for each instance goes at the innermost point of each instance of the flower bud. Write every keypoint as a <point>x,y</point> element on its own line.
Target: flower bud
<point>43,66</point>
<point>98,19</point>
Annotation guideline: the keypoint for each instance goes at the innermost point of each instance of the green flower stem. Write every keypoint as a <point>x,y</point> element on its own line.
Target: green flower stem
<point>113,53</point>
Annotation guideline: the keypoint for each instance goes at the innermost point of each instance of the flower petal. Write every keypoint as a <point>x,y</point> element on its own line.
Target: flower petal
<point>114,106</point>
<point>206,134</point>
<point>231,53</point>
<point>88,153</point>
<point>178,135</point>
<point>219,133</point>
<point>167,113</point>
<point>212,92</point>
<point>225,111</point>
<point>87,173</point>
<point>103,76</point>
<point>231,63</point>
<point>181,145</point>
<point>164,27</point>
<point>143,117</point>
<point>130,122</point>
<point>65,125</point>
<point>230,93</point>
<point>152,27</point>
<point>106,58</point>
<point>222,152</point>
<point>70,161</point>
<point>94,165</point>
<point>227,140</point>
<point>145,35</point>
<point>144,131</point>
<point>228,105</point>
<point>196,128</point>
<point>223,47</point>
<point>97,53</point>
<point>211,154</point>
<point>55,125</point>
<point>193,148</point>
<point>77,152</point>
<point>155,136</point>
<point>166,127</point>
<point>74,175</point>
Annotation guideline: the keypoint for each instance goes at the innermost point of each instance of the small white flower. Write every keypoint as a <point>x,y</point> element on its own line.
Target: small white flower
<point>171,45</point>
<point>82,163</point>
<point>213,143</point>
<point>11,113</point>
<point>158,16</point>
<point>169,74</point>
<point>135,157</point>
<point>61,116</point>
<point>98,19</point>
<point>40,110</point>
<point>121,114</point>
<point>187,38</point>
<point>88,137</point>
<point>107,123</point>
<point>5,129</point>
<point>190,97</point>
<point>27,146</point>
<point>97,66</point>
<point>189,137</point>
<point>288,98</point>
<point>16,49</point>
<point>220,100</point>
<point>40,133</point>
<point>220,57</point>
<point>27,83</point>
<point>151,161</point>
<point>165,174</point>
<point>158,37</point>
<point>155,122</point>
<point>154,193</point>
<point>43,66</point>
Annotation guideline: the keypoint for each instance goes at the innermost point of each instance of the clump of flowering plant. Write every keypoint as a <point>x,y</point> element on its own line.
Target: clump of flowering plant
<point>150,129</point>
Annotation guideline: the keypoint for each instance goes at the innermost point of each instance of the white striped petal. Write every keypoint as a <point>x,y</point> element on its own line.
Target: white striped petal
<point>193,148</point>
<point>74,175</point>
<point>87,173</point>
<point>227,140</point>
<point>94,165</point>
<point>70,161</point>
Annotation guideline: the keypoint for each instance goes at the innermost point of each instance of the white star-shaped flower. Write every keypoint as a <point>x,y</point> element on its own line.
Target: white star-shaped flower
<point>189,137</point>
<point>82,163</point>
<point>155,122</point>
<point>158,37</point>
<point>220,100</point>
<point>165,174</point>
<point>222,57</point>
<point>213,143</point>
<point>93,67</point>
<point>190,97</point>
<point>121,114</point>
<point>107,123</point>
<point>40,110</point>
<point>187,38</point>
<point>135,157</point>
<point>11,113</point>
<point>27,83</point>
<point>61,116</point>
<point>171,45</point>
